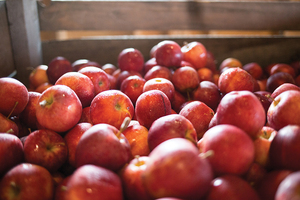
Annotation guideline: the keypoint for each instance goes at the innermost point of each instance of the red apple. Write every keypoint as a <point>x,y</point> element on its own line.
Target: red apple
<point>282,88</point>
<point>103,145</point>
<point>149,64</point>
<point>133,86</point>
<point>81,84</point>
<point>8,126</point>
<point>85,115</point>
<point>185,79</point>
<point>92,182</point>
<point>11,152</point>
<point>284,110</point>
<point>175,169</point>
<point>131,59</point>
<point>289,187</point>
<point>161,84</point>
<point>296,65</point>
<point>109,68</point>
<point>232,148</point>
<point>13,96</point>
<point>195,53</point>
<point>211,62</point>
<point>125,74</point>
<point>27,181</point>
<point>43,87</point>
<point>242,109</point>
<point>38,76</point>
<point>205,74</point>
<point>61,189</point>
<point>230,63</point>
<point>72,138</point>
<point>57,67</point>
<point>282,67</point>
<point>171,126</point>
<point>81,63</point>
<point>150,106</point>
<point>59,108</point>
<point>277,79</point>
<point>177,102</point>
<point>254,69</point>
<point>158,72</point>
<point>99,78</point>
<point>111,107</point>
<point>229,187</point>
<point>168,54</point>
<point>46,148</point>
<point>264,99</point>
<point>255,174</point>
<point>199,114</point>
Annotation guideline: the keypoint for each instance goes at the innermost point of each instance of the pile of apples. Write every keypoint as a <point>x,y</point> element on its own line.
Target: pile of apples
<point>174,127</point>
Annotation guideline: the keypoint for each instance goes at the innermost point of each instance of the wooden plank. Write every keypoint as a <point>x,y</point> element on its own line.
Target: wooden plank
<point>6,57</point>
<point>170,15</point>
<point>264,50</point>
<point>25,36</point>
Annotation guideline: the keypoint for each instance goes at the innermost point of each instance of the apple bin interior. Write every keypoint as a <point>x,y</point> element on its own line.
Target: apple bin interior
<point>22,22</point>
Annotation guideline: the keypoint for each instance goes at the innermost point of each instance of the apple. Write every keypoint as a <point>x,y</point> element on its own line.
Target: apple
<point>13,96</point>
<point>232,148</point>
<point>211,62</point>
<point>284,110</point>
<point>236,79</point>
<point>38,76</point>
<point>59,108</point>
<point>61,188</point>
<point>254,69</point>
<point>109,68</point>
<point>242,109</point>
<point>268,185</point>
<point>230,63</point>
<point>158,72</point>
<point>277,79</point>
<point>255,174</point>
<point>282,67</point>
<point>137,136</point>
<point>205,74</point>
<point>111,107</point>
<point>195,53</point>
<point>11,152</point>
<point>23,130</point>
<point>81,63</point>
<point>171,126</point>
<point>296,65</point>
<point>131,176</point>
<point>8,126</point>
<point>131,59</point>
<point>133,86</point>
<point>43,87</point>
<point>46,148</point>
<point>289,187</point>
<point>282,88</point>
<point>175,169</point>
<point>185,79</point>
<point>149,64</point>
<point>284,149</point>
<point>99,78</point>
<point>125,74</point>
<point>177,102</point>
<point>92,182</point>
<point>264,99</point>
<point>57,67</point>
<point>297,80</point>
<point>103,145</point>
<point>168,54</point>
<point>199,114</point>
<point>28,115</point>
<point>150,106</point>
<point>81,84</point>
<point>85,115</point>
<point>72,138</point>
<point>231,187</point>
<point>162,84</point>
<point>262,84</point>
<point>27,181</point>
<point>208,93</point>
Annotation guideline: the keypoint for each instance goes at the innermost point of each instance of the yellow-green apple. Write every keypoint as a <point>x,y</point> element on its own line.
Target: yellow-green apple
<point>277,79</point>
<point>175,169</point>
<point>137,136</point>
<point>232,148</point>
<point>81,84</point>
<point>242,109</point>
<point>268,185</point>
<point>168,54</point>
<point>8,126</point>
<point>92,182</point>
<point>57,67</point>
<point>125,74</point>
<point>150,106</point>
<point>162,84</point>
<point>59,108</point>
<point>131,59</point>
<point>28,115</point>
<point>132,86</point>
<point>46,148</point>
<point>230,63</point>
<point>13,96</point>
<point>103,145</point>
<point>72,138</point>
<point>229,186</point>
<point>81,63</point>
<point>98,76</point>
<point>289,187</point>
<point>283,67</point>
<point>171,126</point>
<point>199,114</point>
<point>11,152</point>
<point>254,69</point>
<point>158,71</point>
<point>109,68</point>
<point>38,76</point>
<point>111,107</point>
<point>131,177</point>
<point>195,53</point>
<point>208,93</point>
<point>27,181</point>
<point>282,88</point>
<point>185,79</point>
<point>284,110</point>
<point>284,149</point>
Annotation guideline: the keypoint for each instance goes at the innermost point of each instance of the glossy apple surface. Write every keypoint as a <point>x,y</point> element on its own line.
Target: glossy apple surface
<point>131,59</point>
<point>8,126</point>
<point>158,72</point>
<point>162,84</point>
<point>38,76</point>
<point>185,79</point>
<point>277,79</point>
<point>289,187</point>
<point>195,53</point>
<point>57,67</point>
<point>168,54</point>
<point>133,86</point>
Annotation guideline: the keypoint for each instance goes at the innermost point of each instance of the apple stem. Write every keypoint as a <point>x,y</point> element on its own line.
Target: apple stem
<point>10,131</point>
<point>12,110</point>
<point>124,125</point>
<point>207,154</point>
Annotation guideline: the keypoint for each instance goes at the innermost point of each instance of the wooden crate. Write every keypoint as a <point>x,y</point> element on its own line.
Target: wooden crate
<point>22,22</point>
